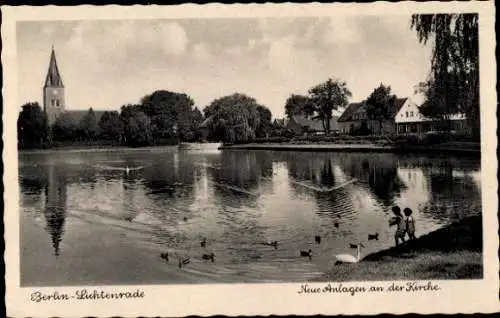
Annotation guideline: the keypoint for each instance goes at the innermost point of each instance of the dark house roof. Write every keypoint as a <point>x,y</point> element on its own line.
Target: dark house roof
<point>53,78</point>
<point>206,122</point>
<point>279,122</point>
<point>77,115</point>
<point>351,109</point>
<point>398,103</point>
<point>315,124</point>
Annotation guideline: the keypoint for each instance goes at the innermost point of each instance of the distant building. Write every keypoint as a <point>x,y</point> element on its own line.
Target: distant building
<point>54,102</point>
<point>279,123</point>
<point>409,119</point>
<point>301,125</point>
<point>77,115</point>
<point>355,118</point>
<point>205,127</point>
<point>403,117</point>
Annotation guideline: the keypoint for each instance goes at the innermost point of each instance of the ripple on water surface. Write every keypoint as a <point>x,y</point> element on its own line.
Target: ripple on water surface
<point>236,201</point>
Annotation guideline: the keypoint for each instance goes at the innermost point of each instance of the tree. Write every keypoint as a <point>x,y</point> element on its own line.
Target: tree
<point>326,97</point>
<point>196,120</point>
<point>265,125</point>
<point>64,128</point>
<point>167,109</point>
<point>298,105</point>
<point>453,83</point>
<point>88,125</point>
<point>32,126</point>
<point>111,127</point>
<point>137,129</point>
<point>379,103</point>
<point>235,118</point>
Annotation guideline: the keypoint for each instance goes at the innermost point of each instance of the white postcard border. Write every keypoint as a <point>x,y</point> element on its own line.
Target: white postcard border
<point>468,296</point>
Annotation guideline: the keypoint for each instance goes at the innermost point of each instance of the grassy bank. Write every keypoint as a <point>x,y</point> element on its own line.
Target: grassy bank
<point>453,252</point>
<point>439,142</point>
<point>452,148</point>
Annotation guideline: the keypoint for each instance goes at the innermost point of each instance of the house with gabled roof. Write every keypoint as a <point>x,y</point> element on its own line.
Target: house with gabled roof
<point>352,118</point>
<point>409,119</point>
<point>301,125</point>
<point>355,118</point>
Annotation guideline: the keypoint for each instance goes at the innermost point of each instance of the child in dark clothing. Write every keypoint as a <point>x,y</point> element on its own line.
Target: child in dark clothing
<point>398,220</point>
<point>410,223</point>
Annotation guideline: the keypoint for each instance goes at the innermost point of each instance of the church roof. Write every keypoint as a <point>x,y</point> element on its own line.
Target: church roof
<point>77,115</point>
<point>53,78</point>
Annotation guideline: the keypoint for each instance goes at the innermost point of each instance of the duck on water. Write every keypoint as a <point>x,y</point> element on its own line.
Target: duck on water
<point>273,244</point>
<point>306,254</point>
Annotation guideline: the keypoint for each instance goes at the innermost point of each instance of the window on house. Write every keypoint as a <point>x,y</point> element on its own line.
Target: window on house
<point>411,114</point>
<point>407,114</point>
<point>57,103</point>
<point>53,102</point>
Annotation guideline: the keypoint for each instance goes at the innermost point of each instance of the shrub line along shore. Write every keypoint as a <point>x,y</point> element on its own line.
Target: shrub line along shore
<point>452,252</point>
<point>353,148</point>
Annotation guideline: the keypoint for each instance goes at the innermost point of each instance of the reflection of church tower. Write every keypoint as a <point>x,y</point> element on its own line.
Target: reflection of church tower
<point>53,91</point>
<point>55,207</point>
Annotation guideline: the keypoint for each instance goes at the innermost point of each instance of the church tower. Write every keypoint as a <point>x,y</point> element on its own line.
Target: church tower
<point>53,91</point>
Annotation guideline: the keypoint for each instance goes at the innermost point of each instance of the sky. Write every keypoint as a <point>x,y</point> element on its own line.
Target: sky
<point>105,64</point>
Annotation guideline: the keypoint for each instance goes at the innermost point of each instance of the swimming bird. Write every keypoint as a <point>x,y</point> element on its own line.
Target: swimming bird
<point>209,257</point>
<point>185,219</point>
<point>273,244</point>
<point>317,238</point>
<point>373,237</point>
<point>164,256</point>
<point>308,253</point>
<point>347,258</point>
<point>203,242</point>
<point>184,261</point>
<point>129,218</point>
<point>336,224</point>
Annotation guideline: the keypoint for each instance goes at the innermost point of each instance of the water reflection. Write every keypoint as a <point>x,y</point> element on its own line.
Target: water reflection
<point>237,200</point>
<point>55,206</point>
<point>378,171</point>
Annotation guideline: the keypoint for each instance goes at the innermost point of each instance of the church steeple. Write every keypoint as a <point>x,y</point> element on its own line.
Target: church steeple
<point>53,78</point>
<point>53,91</point>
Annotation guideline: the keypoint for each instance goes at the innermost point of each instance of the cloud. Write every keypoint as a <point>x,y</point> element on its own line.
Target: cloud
<point>341,30</point>
<point>281,55</point>
<point>121,60</point>
<point>174,38</point>
<point>201,53</point>
<point>117,38</point>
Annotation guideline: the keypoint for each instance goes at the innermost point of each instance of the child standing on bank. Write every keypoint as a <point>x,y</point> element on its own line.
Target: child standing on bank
<point>398,220</point>
<point>410,223</point>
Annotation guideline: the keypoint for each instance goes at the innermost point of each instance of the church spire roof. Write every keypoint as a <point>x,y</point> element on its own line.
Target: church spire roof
<point>53,78</point>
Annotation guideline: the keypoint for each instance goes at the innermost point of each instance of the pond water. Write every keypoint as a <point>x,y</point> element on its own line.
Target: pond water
<point>86,220</point>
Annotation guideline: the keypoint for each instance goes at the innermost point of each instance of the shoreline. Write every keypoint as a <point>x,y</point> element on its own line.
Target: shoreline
<point>352,148</point>
<point>452,252</point>
<point>309,147</point>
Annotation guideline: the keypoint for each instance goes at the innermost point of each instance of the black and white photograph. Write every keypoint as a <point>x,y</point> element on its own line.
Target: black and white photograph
<point>317,149</point>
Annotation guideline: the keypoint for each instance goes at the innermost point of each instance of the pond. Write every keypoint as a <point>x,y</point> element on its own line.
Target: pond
<point>104,216</point>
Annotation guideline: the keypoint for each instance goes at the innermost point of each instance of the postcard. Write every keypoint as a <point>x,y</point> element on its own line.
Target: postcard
<point>286,159</point>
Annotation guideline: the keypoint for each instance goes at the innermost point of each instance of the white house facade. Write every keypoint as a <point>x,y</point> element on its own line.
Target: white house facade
<point>409,119</point>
